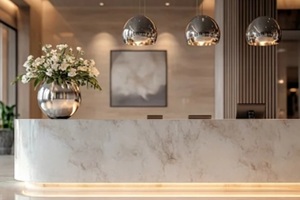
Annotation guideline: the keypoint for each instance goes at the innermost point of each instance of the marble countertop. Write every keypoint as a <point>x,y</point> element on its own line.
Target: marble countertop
<point>157,150</point>
<point>186,151</point>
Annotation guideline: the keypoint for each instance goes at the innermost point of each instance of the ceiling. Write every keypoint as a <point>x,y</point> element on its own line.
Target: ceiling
<point>281,4</point>
<point>124,3</point>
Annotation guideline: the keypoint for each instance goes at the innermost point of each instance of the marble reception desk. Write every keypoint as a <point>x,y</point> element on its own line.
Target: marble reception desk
<point>157,151</point>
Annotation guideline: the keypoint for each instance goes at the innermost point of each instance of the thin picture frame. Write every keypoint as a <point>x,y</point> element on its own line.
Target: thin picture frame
<point>138,78</point>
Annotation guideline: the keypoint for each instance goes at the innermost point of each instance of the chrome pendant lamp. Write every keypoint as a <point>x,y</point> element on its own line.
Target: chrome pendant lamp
<point>139,31</point>
<point>263,31</point>
<point>202,30</point>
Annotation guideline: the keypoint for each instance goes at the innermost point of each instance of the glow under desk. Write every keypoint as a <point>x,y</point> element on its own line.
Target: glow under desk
<point>181,154</point>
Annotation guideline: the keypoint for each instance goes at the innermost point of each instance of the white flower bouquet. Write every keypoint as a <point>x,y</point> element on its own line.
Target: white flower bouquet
<point>60,65</point>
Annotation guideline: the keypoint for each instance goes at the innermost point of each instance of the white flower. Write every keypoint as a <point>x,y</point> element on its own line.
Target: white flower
<point>94,72</point>
<point>63,66</point>
<point>54,66</point>
<point>79,49</point>
<point>49,72</point>
<point>31,75</point>
<point>72,72</point>
<point>55,58</point>
<point>30,67</point>
<point>44,49</point>
<point>61,46</point>
<point>38,61</point>
<point>53,51</point>
<point>48,46</point>
<point>56,62</point>
<point>47,64</point>
<point>30,57</point>
<point>92,63</point>
<point>70,59</point>
<point>83,68</point>
<point>25,79</point>
<point>26,64</point>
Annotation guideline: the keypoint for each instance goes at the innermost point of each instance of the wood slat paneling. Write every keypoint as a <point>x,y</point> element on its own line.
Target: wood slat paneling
<point>249,72</point>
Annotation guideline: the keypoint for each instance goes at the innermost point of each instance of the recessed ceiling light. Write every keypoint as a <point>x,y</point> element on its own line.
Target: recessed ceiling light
<point>101,4</point>
<point>167,4</point>
<point>281,81</point>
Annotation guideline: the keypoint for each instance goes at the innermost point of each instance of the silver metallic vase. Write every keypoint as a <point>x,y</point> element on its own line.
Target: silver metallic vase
<point>59,101</point>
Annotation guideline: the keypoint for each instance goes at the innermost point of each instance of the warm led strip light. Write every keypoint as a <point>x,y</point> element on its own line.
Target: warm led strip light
<point>162,189</point>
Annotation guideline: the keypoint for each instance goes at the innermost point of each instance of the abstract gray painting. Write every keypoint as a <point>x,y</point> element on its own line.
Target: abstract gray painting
<point>138,78</point>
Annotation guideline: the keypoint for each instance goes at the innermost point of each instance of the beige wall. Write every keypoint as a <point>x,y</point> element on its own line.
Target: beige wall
<point>35,47</point>
<point>29,25</point>
<point>98,31</point>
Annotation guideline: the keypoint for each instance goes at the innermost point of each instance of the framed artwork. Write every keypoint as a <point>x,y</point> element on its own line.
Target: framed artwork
<point>138,78</point>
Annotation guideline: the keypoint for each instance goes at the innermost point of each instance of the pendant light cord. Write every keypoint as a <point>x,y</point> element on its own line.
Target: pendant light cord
<point>145,7</point>
<point>265,7</point>
<point>202,11</point>
<point>201,7</point>
<point>196,8</point>
<point>140,10</point>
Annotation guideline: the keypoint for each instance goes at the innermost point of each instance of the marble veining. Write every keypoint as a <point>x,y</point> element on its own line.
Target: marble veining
<point>157,150</point>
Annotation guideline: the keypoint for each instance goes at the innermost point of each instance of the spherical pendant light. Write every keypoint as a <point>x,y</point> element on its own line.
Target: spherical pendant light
<point>263,31</point>
<point>202,30</point>
<point>139,30</point>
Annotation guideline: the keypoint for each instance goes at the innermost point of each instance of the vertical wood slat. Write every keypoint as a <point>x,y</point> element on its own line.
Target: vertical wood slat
<point>225,115</point>
<point>249,72</point>
<point>1,64</point>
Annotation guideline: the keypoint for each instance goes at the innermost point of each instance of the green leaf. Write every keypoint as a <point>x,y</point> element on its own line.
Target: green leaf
<point>7,115</point>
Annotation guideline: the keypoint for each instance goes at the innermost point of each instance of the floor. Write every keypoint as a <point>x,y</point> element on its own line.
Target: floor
<point>11,189</point>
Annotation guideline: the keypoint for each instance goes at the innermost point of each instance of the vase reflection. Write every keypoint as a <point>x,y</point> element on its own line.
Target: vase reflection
<point>59,101</point>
